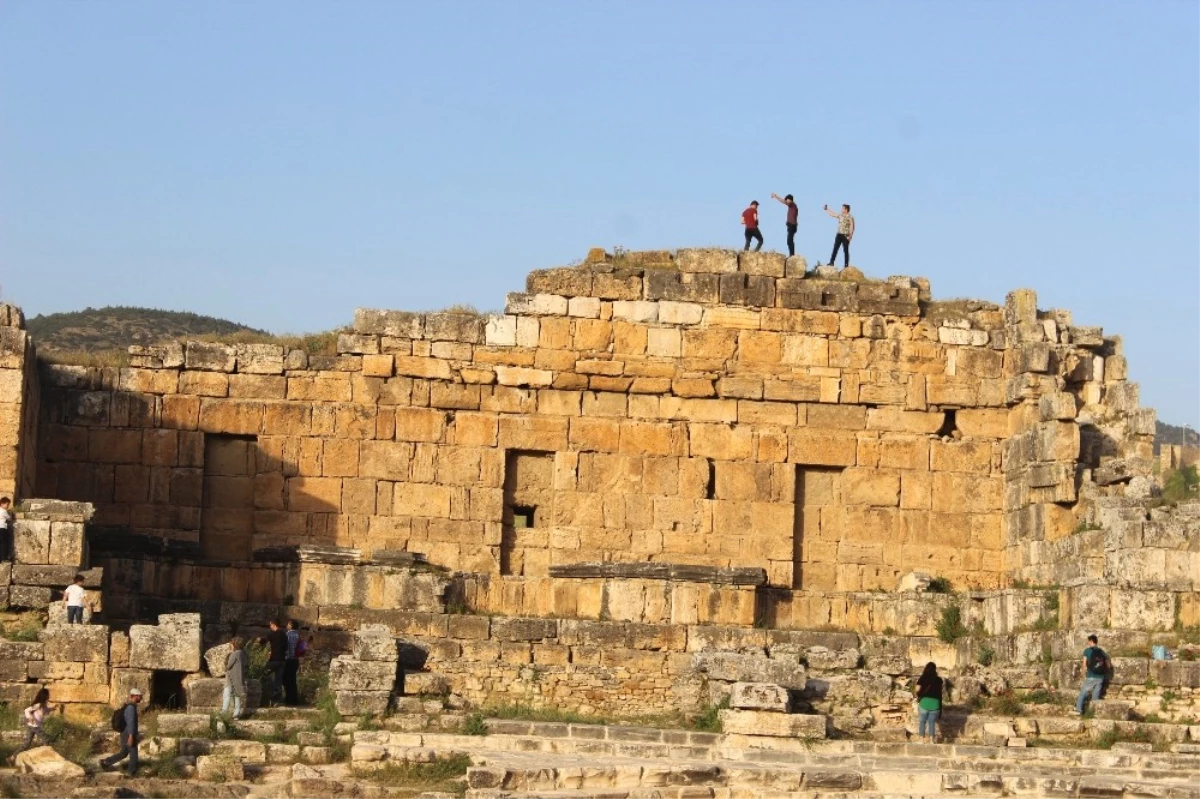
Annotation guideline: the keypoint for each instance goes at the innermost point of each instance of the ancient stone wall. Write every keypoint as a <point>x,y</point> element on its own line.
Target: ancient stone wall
<point>703,408</point>
<point>19,404</point>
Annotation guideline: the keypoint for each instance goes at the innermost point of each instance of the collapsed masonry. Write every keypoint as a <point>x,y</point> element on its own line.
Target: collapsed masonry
<point>637,450</point>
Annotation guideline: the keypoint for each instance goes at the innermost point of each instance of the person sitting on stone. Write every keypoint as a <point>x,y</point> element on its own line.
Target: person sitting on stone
<point>73,599</point>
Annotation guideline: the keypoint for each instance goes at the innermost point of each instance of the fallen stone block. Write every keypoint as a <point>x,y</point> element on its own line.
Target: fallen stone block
<point>777,725</point>
<point>214,659</point>
<point>171,645</point>
<point>375,642</point>
<point>750,668</point>
<point>45,762</point>
<point>997,733</point>
<point>348,674</point>
<point>759,696</point>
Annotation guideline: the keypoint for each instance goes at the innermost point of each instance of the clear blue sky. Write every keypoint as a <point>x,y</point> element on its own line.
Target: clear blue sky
<point>280,163</point>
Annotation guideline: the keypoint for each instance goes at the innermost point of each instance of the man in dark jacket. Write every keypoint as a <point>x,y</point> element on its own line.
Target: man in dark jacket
<point>277,659</point>
<point>129,736</point>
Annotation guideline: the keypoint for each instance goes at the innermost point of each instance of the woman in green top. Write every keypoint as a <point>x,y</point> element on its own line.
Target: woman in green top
<point>929,700</point>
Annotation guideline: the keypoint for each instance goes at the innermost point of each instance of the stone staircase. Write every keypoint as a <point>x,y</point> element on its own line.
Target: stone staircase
<point>551,759</point>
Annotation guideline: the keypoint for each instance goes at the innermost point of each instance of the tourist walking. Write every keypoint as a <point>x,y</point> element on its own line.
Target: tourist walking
<point>929,701</point>
<point>844,234</point>
<point>73,598</point>
<point>237,665</point>
<point>291,664</point>
<point>35,716</point>
<point>793,220</point>
<point>125,722</point>
<point>1095,664</point>
<point>750,221</point>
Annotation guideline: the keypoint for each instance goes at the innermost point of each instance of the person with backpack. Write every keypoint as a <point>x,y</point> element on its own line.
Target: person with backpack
<point>1096,664</point>
<point>929,701</point>
<point>236,667</point>
<point>35,716</point>
<point>125,722</point>
<point>296,649</point>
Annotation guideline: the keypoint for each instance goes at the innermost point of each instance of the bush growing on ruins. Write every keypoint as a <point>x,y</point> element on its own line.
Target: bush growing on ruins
<point>709,719</point>
<point>940,585</point>
<point>1006,704</point>
<point>475,725</point>
<point>950,627</point>
<point>986,655</point>
<point>443,772</point>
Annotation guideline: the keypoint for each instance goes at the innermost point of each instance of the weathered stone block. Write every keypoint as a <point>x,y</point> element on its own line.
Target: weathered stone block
<point>76,643</point>
<point>209,356</point>
<point>750,668</point>
<point>759,696</point>
<point>706,260</point>
<point>362,703</point>
<point>43,761</point>
<point>172,645</point>
<point>31,541</point>
<point>178,724</point>
<point>375,642</point>
<point>219,769</point>
<point>348,674</point>
<point>425,683</point>
<point>776,725</point>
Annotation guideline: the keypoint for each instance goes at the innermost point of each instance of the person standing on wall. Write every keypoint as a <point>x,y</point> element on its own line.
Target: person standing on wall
<point>793,220</point>
<point>125,722</point>
<point>750,221</point>
<point>929,701</point>
<point>1095,664</point>
<point>6,530</point>
<point>73,598</point>
<point>844,234</point>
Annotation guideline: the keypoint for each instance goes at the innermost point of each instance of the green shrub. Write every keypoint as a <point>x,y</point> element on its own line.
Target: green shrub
<point>1181,484</point>
<point>1007,704</point>
<point>709,719</point>
<point>986,656</point>
<point>950,627</point>
<point>475,725</point>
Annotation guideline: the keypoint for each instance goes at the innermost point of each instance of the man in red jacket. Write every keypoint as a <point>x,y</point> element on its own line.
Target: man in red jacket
<point>750,220</point>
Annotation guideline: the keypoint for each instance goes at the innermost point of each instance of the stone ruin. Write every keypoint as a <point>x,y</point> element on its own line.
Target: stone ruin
<point>659,481</point>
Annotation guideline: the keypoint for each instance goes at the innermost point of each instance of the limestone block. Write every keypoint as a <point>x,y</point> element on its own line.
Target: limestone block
<point>267,359</point>
<point>401,324</point>
<point>623,284</point>
<point>205,694</point>
<point>45,762</point>
<point>536,304</point>
<point>733,667</point>
<point>348,674</point>
<point>172,645</point>
<point>776,725</point>
<point>31,541</point>
<point>1112,709</point>
<point>375,643</point>
<point>706,260</point>
<point>522,629</point>
<point>997,733</point>
<point>243,751</point>
<point>68,544</point>
<point>214,659</point>
<point>680,313</point>
<point>762,263</point>
<point>210,357</point>
<point>637,311</point>
<point>825,659</point>
<point>125,680</point>
<point>501,331</point>
<point>795,266</point>
<point>211,768</point>
<point>755,291</point>
<point>759,696</point>
<point>283,753</point>
<point>54,576</point>
<point>973,338</point>
<point>20,650</point>
<point>76,643</point>
<point>425,683</point>
<point>467,328</point>
<point>178,724</point>
<point>28,596</point>
<point>914,581</point>
<point>568,282</point>
<point>1057,406</point>
<point>361,703</point>
<point>675,286</point>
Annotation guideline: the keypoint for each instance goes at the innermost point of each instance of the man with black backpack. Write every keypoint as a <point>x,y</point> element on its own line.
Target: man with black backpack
<point>125,723</point>
<point>1095,663</point>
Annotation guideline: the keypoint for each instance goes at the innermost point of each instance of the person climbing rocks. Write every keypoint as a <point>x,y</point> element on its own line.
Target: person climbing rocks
<point>1095,665</point>
<point>73,599</point>
<point>793,217</point>
<point>750,221</point>
<point>844,234</point>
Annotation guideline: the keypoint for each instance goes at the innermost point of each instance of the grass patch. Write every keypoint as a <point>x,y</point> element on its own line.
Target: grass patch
<point>444,773</point>
<point>474,725</point>
<point>327,716</point>
<point>72,741</point>
<point>1106,739</point>
<point>522,712</point>
<point>1006,704</point>
<point>25,626</point>
<point>1041,696</point>
<point>986,656</point>
<point>950,627</point>
<point>1181,485</point>
<point>709,719</point>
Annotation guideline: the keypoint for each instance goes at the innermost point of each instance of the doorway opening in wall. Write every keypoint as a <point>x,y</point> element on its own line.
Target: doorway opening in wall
<point>949,424</point>
<point>166,690</point>
<point>816,527</point>
<point>528,503</point>
<point>227,503</point>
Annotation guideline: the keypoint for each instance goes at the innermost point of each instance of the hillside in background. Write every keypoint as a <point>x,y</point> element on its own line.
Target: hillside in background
<point>113,329</point>
<point>1171,434</point>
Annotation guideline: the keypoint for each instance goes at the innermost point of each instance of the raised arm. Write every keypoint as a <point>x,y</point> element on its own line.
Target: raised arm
<point>775,196</point>
<point>831,213</point>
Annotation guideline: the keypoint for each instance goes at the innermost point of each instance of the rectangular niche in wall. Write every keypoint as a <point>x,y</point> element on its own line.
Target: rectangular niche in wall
<point>528,496</point>
<point>817,529</point>
<point>227,512</point>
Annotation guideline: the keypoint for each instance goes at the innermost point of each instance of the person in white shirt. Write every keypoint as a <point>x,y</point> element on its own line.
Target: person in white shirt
<point>73,598</point>
<point>6,529</point>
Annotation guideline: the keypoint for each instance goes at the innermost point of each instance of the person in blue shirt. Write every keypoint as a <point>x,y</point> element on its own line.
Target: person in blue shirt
<point>129,737</point>
<point>1095,664</point>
